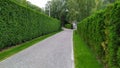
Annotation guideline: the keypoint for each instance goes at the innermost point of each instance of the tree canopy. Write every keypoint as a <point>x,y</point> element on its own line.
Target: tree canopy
<point>74,10</point>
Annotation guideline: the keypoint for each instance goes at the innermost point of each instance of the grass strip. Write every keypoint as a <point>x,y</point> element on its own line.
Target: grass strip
<point>15,49</point>
<point>84,58</point>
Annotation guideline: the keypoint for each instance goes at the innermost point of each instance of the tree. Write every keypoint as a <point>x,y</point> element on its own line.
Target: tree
<point>57,9</point>
<point>79,9</point>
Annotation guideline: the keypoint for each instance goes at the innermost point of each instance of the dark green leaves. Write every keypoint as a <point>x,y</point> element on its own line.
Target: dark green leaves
<point>19,24</point>
<point>101,32</point>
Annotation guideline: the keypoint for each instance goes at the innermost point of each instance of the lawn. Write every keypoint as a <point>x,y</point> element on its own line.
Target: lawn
<point>84,57</point>
<point>15,49</point>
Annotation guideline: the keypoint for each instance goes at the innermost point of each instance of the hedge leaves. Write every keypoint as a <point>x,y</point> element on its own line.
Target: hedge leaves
<point>19,24</point>
<point>101,32</point>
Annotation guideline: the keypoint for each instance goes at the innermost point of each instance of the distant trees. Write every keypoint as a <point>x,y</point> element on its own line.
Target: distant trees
<point>70,10</point>
<point>79,9</point>
<point>74,10</point>
<point>111,1</point>
<point>57,9</point>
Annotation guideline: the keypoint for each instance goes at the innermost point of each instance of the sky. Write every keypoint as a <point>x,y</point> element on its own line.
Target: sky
<point>39,3</point>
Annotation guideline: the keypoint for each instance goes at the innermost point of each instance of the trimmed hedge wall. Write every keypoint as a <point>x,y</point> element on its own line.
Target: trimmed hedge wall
<point>101,32</point>
<point>19,24</point>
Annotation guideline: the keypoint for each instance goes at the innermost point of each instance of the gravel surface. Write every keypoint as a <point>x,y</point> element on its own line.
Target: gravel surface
<point>53,52</point>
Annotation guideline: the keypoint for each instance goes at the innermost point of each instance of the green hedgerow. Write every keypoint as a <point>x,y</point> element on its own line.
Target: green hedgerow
<point>101,32</point>
<point>69,26</point>
<point>19,24</point>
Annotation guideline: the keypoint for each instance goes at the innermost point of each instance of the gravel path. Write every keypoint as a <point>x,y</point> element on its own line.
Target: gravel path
<point>53,52</point>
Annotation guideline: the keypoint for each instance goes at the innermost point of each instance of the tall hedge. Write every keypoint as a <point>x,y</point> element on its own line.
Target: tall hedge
<point>19,24</point>
<point>101,32</point>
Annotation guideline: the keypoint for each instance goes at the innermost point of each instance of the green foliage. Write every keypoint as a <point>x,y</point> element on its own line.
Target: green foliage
<point>69,26</point>
<point>57,9</point>
<point>84,57</point>
<point>118,56</point>
<point>21,2</point>
<point>15,49</point>
<point>28,4</point>
<point>82,7</point>
<point>74,10</point>
<point>101,32</point>
<point>19,24</point>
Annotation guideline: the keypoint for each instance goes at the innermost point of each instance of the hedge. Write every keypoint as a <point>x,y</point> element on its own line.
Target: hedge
<point>69,26</point>
<point>19,24</point>
<point>101,31</point>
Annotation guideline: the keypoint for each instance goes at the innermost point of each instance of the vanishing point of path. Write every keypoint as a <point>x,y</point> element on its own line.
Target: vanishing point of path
<point>53,52</point>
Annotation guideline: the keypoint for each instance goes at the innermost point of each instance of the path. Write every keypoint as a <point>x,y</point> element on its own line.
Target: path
<point>53,52</point>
